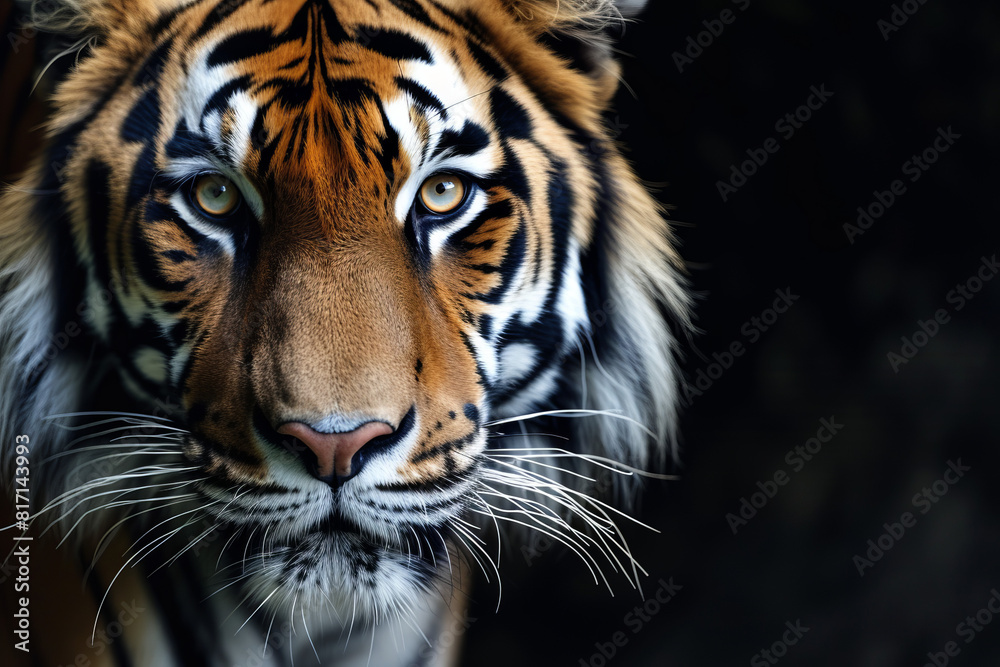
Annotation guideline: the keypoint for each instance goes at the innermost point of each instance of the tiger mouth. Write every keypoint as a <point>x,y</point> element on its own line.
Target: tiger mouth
<point>335,526</point>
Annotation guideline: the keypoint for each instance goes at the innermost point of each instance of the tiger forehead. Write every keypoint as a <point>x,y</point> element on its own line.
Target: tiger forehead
<point>315,76</point>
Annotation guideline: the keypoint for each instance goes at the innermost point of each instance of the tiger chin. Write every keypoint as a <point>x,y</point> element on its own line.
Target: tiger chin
<point>323,260</point>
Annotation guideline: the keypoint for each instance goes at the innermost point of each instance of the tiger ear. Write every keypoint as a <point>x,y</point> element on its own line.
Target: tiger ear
<point>582,31</point>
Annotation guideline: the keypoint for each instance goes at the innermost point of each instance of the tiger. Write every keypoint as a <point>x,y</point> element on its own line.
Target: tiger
<point>287,296</point>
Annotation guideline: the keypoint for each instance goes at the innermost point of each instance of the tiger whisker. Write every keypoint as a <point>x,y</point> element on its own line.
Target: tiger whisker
<point>447,553</point>
<point>236,533</point>
<point>177,500</point>
<point>529,481</point>
<point>102,413</point>
<point>588,560</point>
<point>101,482</point>
<point>104,482</point>
<point>120,492</point>
<point>291,629</point>
<point>468,550</point>
<point>547,481</point>
<point>543,512</point>
<point>247,597</point>
<point>267,636</point>
<point>205,533</point>
<point>589,518</point>
<point>117,429</point>
<point>457,524</point>
<point>106,457</point>
<point>92,448</point>
<point>572,414</point>
<point>167,520</point>
<point>247,548</point>
<point>602,461</point>
<point>496,524</point>
<point>176,437</point>
<point>526,434</point>
<point>235,580</point>
<point>106,506</point>
<point>139,554</point>
<point>302,610</point>
<point>529,459</point>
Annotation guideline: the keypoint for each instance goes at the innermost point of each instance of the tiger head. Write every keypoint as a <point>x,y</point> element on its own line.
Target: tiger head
<point>336,243</point>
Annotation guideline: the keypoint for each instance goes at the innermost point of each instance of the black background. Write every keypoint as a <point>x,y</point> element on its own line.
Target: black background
<point>827,356</point>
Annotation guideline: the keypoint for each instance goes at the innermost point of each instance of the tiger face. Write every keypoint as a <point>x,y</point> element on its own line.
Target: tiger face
<point>341,240</point>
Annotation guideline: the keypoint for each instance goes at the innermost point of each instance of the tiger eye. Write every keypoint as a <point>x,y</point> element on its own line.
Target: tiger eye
<point>442,193</point>
<point>215,195</point>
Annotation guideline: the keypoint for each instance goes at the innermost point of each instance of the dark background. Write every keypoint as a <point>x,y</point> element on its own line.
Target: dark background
<point>827,356</point>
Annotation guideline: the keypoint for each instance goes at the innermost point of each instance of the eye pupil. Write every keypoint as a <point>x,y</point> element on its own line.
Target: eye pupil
<point>441,187</point>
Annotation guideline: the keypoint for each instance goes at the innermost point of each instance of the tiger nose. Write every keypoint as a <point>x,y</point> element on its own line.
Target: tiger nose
<point>334,451</point>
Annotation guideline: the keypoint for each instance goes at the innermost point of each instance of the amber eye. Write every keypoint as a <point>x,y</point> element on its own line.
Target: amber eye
<point>215,195</point>
<point>442,193</point>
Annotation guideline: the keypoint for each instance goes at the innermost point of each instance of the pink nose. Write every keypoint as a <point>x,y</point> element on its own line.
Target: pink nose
<point>334,451</point>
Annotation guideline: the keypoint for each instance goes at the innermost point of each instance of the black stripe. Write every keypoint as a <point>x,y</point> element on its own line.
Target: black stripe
<point>467,21</point>
<point>98,177</point>
<point>152,68</point>
<point>388,149</point>
<point>470,140</point>
<point>220,98</point>
<point>560,201</point>
<point>163,22</point>
<point>420,95</point>
<point>512,260</point>
<point>145,259</point>
<point>223,10</point>
<point>242,45</point>
<point>446,447</point>
<point>486,62</point>
<point>392,44</point>
<point>186,144</point>
<point>143,120</point>
<point>512,175</point>
<point>509,116</point>
<point>415,11</point>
